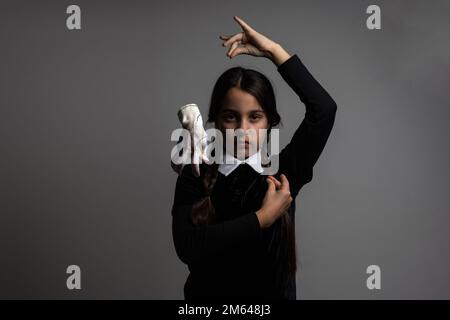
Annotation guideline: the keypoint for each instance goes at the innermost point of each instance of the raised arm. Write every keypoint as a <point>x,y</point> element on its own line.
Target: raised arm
<point>298,158</point>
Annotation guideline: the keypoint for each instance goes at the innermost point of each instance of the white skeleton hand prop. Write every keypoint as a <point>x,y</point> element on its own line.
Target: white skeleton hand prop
<point>191,119</point>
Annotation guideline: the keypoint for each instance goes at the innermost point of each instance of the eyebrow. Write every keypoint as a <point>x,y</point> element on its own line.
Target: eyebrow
<point>227,109</point>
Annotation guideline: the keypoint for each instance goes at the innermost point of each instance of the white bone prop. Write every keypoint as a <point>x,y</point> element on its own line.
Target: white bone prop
<point>191,119</point>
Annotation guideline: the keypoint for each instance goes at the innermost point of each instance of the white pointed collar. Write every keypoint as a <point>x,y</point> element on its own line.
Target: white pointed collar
<point>230,163</point>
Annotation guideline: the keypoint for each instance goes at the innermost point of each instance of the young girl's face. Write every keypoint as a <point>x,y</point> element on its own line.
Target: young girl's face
<point>241,110</point>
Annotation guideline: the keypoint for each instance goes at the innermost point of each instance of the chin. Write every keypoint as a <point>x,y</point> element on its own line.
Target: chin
<point>246,151</point>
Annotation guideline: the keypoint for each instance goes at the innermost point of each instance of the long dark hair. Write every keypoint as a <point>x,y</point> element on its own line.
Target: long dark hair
<point>282,244</point>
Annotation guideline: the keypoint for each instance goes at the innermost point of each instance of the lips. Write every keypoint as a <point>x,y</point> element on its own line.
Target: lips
<point>243,142</point>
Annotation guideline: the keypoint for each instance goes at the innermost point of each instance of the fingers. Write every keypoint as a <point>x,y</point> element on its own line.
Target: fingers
<point>237,37</point>
<point>243,24</point>
<point>271,184</point>
<point>277,183</point>
<point>224,38</point>
<point>284,183</point>
<point>233,46</point>
<point>239,50</point>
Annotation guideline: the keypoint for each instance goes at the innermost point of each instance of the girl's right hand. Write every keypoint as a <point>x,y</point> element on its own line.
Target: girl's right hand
<point>276,201</point>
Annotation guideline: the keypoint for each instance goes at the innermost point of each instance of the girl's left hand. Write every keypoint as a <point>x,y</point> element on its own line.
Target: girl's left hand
<point>249,41</point>
<point>276,181</point>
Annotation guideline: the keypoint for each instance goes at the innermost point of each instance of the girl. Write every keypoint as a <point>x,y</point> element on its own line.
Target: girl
<point>233,226</point>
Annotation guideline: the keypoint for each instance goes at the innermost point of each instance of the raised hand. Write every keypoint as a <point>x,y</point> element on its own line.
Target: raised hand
<point>251,42</point>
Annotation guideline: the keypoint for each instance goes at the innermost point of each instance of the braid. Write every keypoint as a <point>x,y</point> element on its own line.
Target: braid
<point>203,211</point>
<point>284,235</point>
<point>289,232</point>
<point>282,249</point>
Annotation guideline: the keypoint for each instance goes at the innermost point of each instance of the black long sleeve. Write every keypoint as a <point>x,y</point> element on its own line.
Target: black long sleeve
<point>297,159</point>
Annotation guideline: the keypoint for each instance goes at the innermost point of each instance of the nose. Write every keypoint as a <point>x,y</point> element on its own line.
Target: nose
<point>244,125</point>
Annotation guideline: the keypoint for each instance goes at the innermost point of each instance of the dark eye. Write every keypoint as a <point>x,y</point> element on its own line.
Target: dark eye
<point>229,117</point>
<point>255,116</point>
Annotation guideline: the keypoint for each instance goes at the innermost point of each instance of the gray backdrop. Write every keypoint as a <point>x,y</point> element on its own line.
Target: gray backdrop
<point>86,118</point>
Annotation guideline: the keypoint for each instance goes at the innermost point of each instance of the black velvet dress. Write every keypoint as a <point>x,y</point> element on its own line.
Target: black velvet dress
<point>229,259</point>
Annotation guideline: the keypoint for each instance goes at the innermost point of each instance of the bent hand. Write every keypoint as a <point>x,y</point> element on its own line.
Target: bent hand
<point>249,41</point>
<point>276,201</point>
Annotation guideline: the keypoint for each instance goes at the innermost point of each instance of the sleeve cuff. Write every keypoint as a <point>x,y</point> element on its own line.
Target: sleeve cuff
<point>295,73</point>
<point>256,227</point>
<point>294,59</point>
